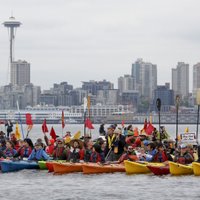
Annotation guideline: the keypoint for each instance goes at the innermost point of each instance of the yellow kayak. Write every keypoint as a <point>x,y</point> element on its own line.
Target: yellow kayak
<point>180,169</point>
<point>196,168</point>
<point>139,167</point>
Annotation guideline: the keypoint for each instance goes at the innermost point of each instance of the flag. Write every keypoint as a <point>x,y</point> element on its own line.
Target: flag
<point>29,122</point>
<point>53,133</point>
<point>88,124</point>
<point>145,125</point>
<point>17,132</point>
<point>149,129</point>
<point>63,120</point>
<point>44,126</point>
<point>28,119</point>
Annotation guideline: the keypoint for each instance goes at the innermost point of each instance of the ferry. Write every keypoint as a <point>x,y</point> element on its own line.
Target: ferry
<point>52,116</point>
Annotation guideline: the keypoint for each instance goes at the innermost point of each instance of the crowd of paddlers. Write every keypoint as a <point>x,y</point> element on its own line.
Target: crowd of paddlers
<point>115,145</point>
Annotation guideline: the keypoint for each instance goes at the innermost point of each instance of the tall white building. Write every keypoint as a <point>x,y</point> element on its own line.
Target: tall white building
<point>180,79</point>
<point>145,77</point>
<point>196,78</point>
<point>20,73</point>
<point>126,83</point>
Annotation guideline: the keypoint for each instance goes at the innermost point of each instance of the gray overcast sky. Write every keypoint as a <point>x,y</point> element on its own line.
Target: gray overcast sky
<point>81,40</point>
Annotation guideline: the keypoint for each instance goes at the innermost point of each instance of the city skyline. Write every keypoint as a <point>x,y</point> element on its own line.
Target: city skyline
<point>93,40</point>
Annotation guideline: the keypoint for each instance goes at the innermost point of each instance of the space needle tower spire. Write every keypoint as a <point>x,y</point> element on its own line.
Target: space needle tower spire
<point>12,25</point>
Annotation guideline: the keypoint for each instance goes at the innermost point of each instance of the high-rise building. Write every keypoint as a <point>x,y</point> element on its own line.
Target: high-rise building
<point>126,83</point>
<point>180,80</point>
<point>20,73</point>
<point>166,95</point>
<point>196,78</point>
<point>145,76</point>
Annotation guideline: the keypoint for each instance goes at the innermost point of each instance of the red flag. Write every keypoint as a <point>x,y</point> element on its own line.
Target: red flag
<point>149,129</point>
<point>44,126</point>
<point>88,124</point>
<point>28,119</point>
<point>145,125</point>
<point>53,133</point>
<point>63,120</point>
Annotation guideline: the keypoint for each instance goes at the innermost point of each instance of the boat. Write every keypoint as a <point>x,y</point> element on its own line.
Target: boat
<point>159,170</point>
<point>42,164</point>
<point>49,164</point>
<point>94,168</point>
<point>196,168</point>
<point>180,169</point>
<point>11,166</point>
<point>139,167</point>
<point>63,168</point>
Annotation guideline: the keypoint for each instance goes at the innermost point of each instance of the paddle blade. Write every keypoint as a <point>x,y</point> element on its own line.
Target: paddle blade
<point>77,135</point>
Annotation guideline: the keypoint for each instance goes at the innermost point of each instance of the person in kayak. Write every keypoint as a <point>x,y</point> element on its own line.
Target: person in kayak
<point>182,156</point>
<point>9,152</point>
<point>161,155</point>
<point>77,152</point>
<point>38,153</point>
<point>97,154</point>
<point>59,152</point>
<point>25,150</point>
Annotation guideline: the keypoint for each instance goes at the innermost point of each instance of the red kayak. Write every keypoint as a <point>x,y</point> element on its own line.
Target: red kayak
<point>159,170</point>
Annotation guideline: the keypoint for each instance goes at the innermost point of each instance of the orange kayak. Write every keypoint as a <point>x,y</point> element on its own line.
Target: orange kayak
<point>63,168</point>
<point>94,168</point>
<point>50,166</point>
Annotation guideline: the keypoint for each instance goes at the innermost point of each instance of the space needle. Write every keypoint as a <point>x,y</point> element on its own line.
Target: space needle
<point>12,25</point>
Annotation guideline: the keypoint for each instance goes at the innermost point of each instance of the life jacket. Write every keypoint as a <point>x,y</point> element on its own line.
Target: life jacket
<point>87,155</point>
<point>160,157</point>
<point>111,140</point>
<point>49,149</point>
<point>9,152</point>
<point>95,157</point>
<point>75,156</point>
<point>127,156</point>
<point>24,152</point>
<point>58,153</point>
<point>181,160</point>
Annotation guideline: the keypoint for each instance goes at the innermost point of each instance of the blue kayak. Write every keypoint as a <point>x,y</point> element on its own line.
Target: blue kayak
<point>11,166</point>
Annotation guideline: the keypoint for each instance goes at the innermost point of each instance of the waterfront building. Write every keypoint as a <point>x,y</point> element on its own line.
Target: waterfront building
<point>108,97</point>
<point>196,79</point>
<point>166,96</point>
<point>145,76</point>
<point>180,80</point>
<point>126,83</point>
<point>20,73</point>
<point>93,87</point>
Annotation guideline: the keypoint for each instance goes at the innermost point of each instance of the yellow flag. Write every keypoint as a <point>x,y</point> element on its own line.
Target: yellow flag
<point>17,132</point>
<point>77,135</point>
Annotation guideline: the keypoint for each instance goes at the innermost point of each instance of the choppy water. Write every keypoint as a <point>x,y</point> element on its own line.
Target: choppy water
<point>37,184</point>
<point>33,184</point>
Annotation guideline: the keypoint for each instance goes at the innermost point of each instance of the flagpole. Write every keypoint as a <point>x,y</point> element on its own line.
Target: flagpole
<point>20,119</point>
<point>177,107</point>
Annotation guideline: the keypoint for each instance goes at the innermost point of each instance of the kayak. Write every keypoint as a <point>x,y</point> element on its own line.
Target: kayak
<point>63,168</point>
<point>11,166</point>
<point>180,169</point>
<point>196,168</point>
<point>139,167</point>
<point>42,164</point>
<point>159,170</point>
<point>94,168</point>
<point>49,164</point>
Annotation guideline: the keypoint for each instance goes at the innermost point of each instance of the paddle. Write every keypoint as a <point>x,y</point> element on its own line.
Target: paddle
<point>158,104</point>
<point>177,107</point>
<point>198,103</point>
